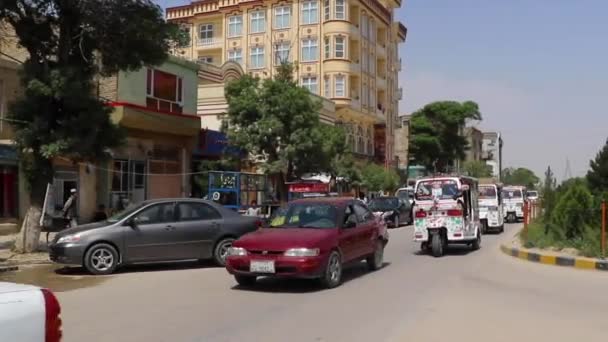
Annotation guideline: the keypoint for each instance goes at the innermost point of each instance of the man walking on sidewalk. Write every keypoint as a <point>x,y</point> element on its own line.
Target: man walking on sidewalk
<point>69,209</point>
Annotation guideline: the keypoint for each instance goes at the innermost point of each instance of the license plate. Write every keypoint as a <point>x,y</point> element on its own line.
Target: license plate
<point>261,266</point>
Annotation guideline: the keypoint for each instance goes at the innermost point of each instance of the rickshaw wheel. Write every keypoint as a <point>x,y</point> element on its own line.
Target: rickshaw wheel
<point>437,245</point>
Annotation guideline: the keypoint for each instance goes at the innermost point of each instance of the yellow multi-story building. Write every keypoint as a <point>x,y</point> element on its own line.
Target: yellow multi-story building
<point>344,50</point>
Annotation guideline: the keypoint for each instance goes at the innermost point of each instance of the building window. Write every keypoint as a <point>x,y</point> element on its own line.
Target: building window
<point>164,91</point>
<point>372,99</point>
<point>281,53</point>
<point>310,83</point>
<point>309,50</point>
<point>236,56</point>
<point>310,12</point>
<point>326,9</point>
<point>364,25</point>
<point>258,22</point>
<point>372,65</point>
<point>339,46</point>
<point>327,48</point>
<point>205,59</point>
<point>364,95</point>
<point>186,30</point>
<point>364,61</point>
<point>340,86</point>
<point>257,57</point>
<point>282,17</point>
<point>205,31</point>
<point>235,25</point>
<point>340,10</point>
<point>326,87</point>
<point>372,30</point>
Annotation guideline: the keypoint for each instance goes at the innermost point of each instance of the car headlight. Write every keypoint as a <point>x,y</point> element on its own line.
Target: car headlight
<point>69,238</point>
<point>237,251</point>
<point>387,214</point>
<point>302,252</point>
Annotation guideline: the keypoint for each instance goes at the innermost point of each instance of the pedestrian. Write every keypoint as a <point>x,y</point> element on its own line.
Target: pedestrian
<point>100,215</point>
<point>69,209</point>
<point>253,210</point>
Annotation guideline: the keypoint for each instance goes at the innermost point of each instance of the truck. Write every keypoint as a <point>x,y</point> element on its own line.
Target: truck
<point>29,314</point>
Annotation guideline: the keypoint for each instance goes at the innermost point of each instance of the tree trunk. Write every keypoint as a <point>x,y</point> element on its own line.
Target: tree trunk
<point>29,236</point>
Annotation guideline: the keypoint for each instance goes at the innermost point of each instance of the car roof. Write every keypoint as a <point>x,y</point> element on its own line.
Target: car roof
<point>337,201</point>
<point>385,197</point>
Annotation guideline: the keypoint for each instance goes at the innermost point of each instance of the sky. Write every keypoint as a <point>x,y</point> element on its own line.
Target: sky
<point>537,68</point>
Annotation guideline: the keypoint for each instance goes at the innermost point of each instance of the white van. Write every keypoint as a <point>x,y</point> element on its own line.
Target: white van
<point>514,198</point>
<point>491,211</point>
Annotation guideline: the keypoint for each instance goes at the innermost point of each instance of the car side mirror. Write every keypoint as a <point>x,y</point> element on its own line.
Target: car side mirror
<point>133,222</point>
<point>350,223</point>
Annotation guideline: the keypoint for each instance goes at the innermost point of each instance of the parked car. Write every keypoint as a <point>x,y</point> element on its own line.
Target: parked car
<point>315,240</point>
<point>393,210</point>
<point>29,314</point>
<point>153,231</point>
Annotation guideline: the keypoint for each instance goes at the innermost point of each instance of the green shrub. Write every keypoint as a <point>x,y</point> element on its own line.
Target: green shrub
<point>572,212</point>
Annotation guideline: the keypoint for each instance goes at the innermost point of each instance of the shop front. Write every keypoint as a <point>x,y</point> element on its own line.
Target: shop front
<point>9,180</point>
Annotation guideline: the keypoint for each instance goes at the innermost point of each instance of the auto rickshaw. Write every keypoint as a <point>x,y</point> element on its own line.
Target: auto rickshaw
<point>446,212</point>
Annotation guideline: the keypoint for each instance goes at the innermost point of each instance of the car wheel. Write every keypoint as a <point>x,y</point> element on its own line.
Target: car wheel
<point>437,245</point>
<point>477,243</point>
<point>221,251</point>
<point>245,281</point>
<point>376,260</point>
<point>101,258</point>
<point>397,223</point>
<point>332,276</point>
<point>501,229</point>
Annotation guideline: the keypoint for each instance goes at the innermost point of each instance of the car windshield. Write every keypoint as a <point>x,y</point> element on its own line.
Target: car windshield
<point>405,194</point>
<point>307,215</point>
<point>487,192</point>
<point>440,189</point>
<point>278,218</point>
<point>383,204</point>
<point>532,194</point>
<point>121,215</point>
<point>511,194</point>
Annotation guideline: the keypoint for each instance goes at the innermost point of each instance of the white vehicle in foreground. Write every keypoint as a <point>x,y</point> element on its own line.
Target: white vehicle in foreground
<point>491,207</point>
<point>28,314</point>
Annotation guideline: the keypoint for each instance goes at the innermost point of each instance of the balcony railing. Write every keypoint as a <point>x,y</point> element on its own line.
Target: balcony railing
<point>209,41</point>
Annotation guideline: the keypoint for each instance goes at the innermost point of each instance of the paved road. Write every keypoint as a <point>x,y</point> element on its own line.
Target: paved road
<point>476,296</point>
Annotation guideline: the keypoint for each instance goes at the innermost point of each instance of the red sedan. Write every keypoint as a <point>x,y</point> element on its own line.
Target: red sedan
<point>314,239</point>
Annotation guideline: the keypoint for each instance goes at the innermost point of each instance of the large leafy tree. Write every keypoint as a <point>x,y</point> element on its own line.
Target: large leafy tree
<point>377,178</point>
<point>597,176</point>
<point>548,193</point>
<point>520,176</point>
<point>337,159</point>
<point>478,169</point>
<point>69,43</point>
<point>435,133</point>
<point>277,122</point>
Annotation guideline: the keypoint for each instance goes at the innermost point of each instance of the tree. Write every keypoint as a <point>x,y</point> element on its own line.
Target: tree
<point>69,43</point>
<point>337,159</point>
<point>520,176</point>
<point>548,194</point>
<point>597,176</point>
<point>377,178</point>
<point>435,133</point>
<point>478,169</point>
<point>276,121</point>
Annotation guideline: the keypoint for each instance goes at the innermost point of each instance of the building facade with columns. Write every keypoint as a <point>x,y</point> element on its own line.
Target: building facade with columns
<point>345,51</point>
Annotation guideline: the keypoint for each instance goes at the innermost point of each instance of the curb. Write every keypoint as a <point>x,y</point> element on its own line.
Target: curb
<point>581,263</point>
<point>8,268</point>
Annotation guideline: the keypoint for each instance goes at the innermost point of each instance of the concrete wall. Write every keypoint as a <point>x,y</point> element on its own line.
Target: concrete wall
<point>132,85</point>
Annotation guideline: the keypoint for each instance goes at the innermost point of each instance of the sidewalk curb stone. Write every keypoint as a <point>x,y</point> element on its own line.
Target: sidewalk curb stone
<point>581,263</point>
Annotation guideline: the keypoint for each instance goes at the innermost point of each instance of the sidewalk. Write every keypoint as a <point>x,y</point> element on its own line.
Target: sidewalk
<point>9,260</point>
<point>566,257</point>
